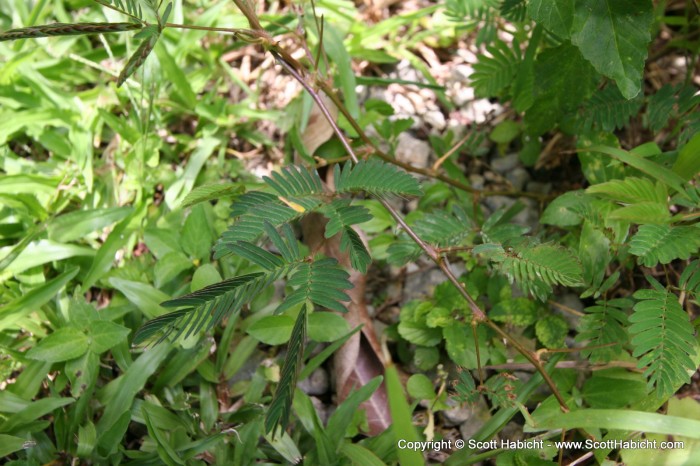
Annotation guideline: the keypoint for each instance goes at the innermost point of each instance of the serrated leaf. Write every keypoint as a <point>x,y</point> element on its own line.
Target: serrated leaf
<point>613,35</point>
<point>563,79</point>
<point>556,16</point>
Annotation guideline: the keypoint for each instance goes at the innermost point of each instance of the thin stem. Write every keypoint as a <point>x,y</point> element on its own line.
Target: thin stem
<point>293,67</point>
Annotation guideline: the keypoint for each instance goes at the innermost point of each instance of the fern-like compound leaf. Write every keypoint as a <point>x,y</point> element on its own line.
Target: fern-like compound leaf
<point>664,243</point>
<point>607,110</point>
<point>631,190</point>
<point>537,268</point>
<point>321,282</point>
<point>251,212</point>
<point>359,256</point>
<point>281,405</point>
<point>342,215</point>
<point>690,279</point>
<point>604,324</point>
<point>663,339</point>
<point>438,229</point>
<point>63,29</point>
<point>494,73</point>
<point>298,187</point>
<point>205,307</point>
<point>375,177</point>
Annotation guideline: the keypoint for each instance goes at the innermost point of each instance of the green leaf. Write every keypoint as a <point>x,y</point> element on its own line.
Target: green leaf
<point>342,417</point>
<point>63,29</point>
<point>272,330</point>
<point>654,170</point>
<point>105,334</point>
<point>461,348</point>
<point>631,190</point>
<point>420,387</point>
<point>327,327</point>
<point>613,35</point>
<point>556,16</point>
<point>281,404</point>
<point>606,110</point>
<point>75,225</point>
<point>360,456</point>
<point>197,237</point>
<point>495,72</point>
<point>664,338</point>
<point>551,331</point>
<point>34,299</point>
<point>402,425</point>
<point>664,243</point>
<point>621,419</point>
<point>176,76</point>
<point>61,345</point>
<point>375,177</point>
<point>322,282</point>
<point>10,444</point>
<point>565,210</point>
<point>212,192</point>
<point>688,162</point>
<point>359,256</point>
<point>563,79</point>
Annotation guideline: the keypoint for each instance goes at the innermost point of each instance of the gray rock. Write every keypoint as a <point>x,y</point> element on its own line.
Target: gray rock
<point>497,202</point>
<point>457,414</point>
<point>477,418</point>
<point>476,181</point>
<point>537,187</point>
<point>321,409</point>
<point>461,96</point>
<point>413,151</point>
<point>571,301</point>
<point>506,163</point>
<point>436,119</point>
<point>315,384</point>
<point>403,106</point>
<point>518,177</point>
<point>461,72</point>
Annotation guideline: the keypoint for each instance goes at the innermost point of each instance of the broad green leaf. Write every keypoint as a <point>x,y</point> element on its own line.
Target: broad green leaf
<point>420,387</point>
<point>176,76</point>
<point>178,190</point>
<point>551,331</point>
<point>10,444</point>
<point>272,330</point>
<point>87,440</point>
<point>613,35</point>
<point>34,299</point>
<point>42,252</point>
<point>401,416</point>
<point>342,417</point>
<point>82,372</point>
<point>144,296</point>
<point>620,419</point>
<point>360,456</point>
<point>105,334</point>
<point>556,16</point>
<point>118,396</point>
<point>326,327</point>
<point>75,225</point>
<point>196,235</point>
<point>205,275</point>
<point>61,345</point>
<point>33,411</point>
<point>688,162</point>
<point>563,79</point>
<point>459,342</point>
<point>170,266</point>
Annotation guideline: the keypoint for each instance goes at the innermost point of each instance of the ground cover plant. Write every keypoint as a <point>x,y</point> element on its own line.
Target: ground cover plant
<point>211,208</point>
